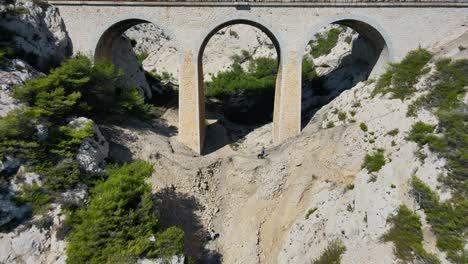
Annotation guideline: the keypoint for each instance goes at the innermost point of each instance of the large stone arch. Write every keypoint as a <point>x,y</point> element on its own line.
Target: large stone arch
<point>198,54</point>
<point>366,27</point>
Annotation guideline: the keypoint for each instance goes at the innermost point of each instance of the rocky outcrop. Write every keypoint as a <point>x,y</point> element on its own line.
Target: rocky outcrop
<point>40,31</point>
<point>93,151</point>
<point>124,57</point>
<point>37,243</point>
<point>13,72</point>
<point>171,260</point>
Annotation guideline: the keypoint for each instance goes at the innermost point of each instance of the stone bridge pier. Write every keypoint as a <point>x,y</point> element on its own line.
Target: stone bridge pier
<point>392,28</point>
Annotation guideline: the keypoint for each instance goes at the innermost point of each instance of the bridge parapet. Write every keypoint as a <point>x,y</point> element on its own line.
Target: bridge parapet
<point>270,2</point>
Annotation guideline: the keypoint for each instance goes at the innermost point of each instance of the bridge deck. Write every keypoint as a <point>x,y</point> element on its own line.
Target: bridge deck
<point>269,2</point>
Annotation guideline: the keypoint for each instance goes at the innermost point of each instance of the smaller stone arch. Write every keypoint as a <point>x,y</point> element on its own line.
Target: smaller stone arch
<point>110,31</point>
<point>259,25</point>
<point>107,39</point>
<point>199,62</point>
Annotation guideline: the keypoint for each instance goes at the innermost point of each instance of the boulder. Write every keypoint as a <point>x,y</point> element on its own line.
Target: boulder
<point>41,31</point>
<point>171,260</point>
<point>94,150</point>
<point>124,57</point>
<point>9,165</point>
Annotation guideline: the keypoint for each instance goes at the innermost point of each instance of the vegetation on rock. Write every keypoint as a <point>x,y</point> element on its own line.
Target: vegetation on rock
<point>332,254</point>
<point>449,140</point>
<point>121,221</point>
<point>407,237</point>
<point>448,220</point>
<point>400,78</point>
<point>256,84</point>
<point>374,162</point>
<point>76,88</point>
<point>324,43</point>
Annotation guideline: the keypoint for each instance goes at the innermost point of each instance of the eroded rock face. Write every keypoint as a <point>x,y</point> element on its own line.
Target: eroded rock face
<point>93,151</point>
<point>13,72</point>
<point>41,31</point>
<point>124,57</point>
<point>34,244</point>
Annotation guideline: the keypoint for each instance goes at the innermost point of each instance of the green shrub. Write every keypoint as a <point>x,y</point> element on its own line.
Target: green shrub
<point>448,220</point>
<point>450,82</point>
<point>324,43</point>
<point>400,78</point>
<point>63,176</point>
<point>44,223</point>
<point>37,196</point>
<point>308,70</point>
<point>341,116</point>
<point>330,124</point>
<point>16,10</point>
<point>363,127</point>
<point>261,75</point>
<point>393,132</point>
<point>142,56</point>
<point>233,33</point>
<point>70,139</point>
<point>257,83</point>
<point>332,254</point>
<point>120,219</point>
<point>310,212</point>
<point>407,237</point>
<point>421,133</point>
<point>372,178</point>
<point>243,57</point>
<point>374,162</point>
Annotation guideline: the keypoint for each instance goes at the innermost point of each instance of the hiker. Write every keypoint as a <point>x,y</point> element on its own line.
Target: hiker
<point>212,235</point>
<point>262,154</point>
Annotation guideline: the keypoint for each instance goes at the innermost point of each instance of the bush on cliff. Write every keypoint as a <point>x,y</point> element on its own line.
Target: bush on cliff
<point>400,78</point>
<point>121,221</point>
<point>324,43</point>
<point>406,235</point>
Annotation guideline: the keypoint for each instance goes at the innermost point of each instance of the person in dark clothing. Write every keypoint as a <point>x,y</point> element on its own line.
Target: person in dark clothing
<point>262,154</point>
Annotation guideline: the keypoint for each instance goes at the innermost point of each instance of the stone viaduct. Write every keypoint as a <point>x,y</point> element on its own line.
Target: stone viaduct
<point>393,28</point>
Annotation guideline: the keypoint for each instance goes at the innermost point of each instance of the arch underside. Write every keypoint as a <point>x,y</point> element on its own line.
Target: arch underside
<point>376,41</point>
<point>201,85</point>
<point>106,41</point>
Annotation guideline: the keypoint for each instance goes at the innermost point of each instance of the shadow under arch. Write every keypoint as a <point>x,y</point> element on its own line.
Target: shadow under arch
<point>208,148</point>
<point>378,53</point>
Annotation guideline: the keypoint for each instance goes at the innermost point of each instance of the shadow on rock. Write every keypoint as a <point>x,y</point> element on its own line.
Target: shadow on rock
<point>180,209</point>
<point>352,69</point>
